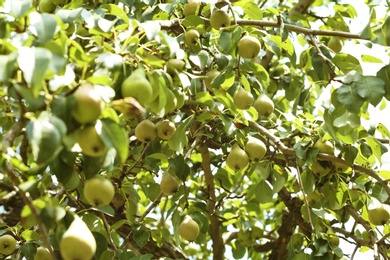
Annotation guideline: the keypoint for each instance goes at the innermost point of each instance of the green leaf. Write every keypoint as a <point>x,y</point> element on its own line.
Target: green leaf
<point>371,88</point>
<point>347,96</point>
<point>371,59</point>
<point>20,8</point>
<point>308,181</point>
<point>34,63</point>
<point>180,167</point>
<point>264,192</point>
<point>253,11</point>
<point>347,119</point>
<point>116,137</point>
<point>43,26</point>
<point>180,139</point>
<point>346,62</point>
<point>7,66</point>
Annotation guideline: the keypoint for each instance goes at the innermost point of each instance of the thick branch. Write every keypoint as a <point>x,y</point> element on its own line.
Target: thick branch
<point>215,231</point>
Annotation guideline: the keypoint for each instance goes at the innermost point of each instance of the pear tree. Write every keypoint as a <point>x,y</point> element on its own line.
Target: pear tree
<point>189,129</point>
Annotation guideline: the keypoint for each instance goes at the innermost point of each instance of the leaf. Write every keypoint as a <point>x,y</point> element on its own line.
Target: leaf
<point>43,26</point>
<point>7,66</point>
<point>371,59</point>
<point>34,63</point>
<point>180,139</point>
<point>264,192</point>
<point>180,167</point>
<point>346,62</point>
<point>20,8</point>
<point>115,135</point>
<point>347,119</point>
<point>371,88</point>
<point>384,74</point>
<point>253,11</point>
<point>347,96</point>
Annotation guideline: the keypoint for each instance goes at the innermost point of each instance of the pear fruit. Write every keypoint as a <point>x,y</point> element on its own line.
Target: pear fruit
<point>46,6</point>
<point>59,2</point>
<point>243,99</point>
<point>165,129</point>
<point>320,169</point>
<point>90,142</point>
<point>219,18</point>
<point>138,87</point>
<point>248,47</point>
<point>377,213</point>
<point>335,44</point>
<point>171,101</point>
<point>255,148</point>
<point>191,38</point>
<point>77,243</point>
<point>99,191</point>
<point>264,105</point>
<point>7,244</point>
<point>210,75</point>
<point>237,159</point>
<point>174,65</point>
<point>189,229</point>
<point>169,184</point>
<point>42,254</point>
<point>190,7</point>
<point>324,147</point>
<point>89,104</point>
<point>146,131</point>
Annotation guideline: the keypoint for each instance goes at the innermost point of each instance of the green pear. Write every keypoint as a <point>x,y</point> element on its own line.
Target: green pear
<point>320,169</point>
<point>191,38</point>
<point>90,142</point>
<point>237,159</point>
<point>169,184</point>
<point>219,18</point>
<point>146,131</point>
<point>189,229</point>
<point>7,244</point>
<point>324,147</point>
<point>165,129</point>
<point>174,65</point>
<point>77,242</point>
<point>171,101</point>
<point>59,2</point>
<point>255,148</point>
<point>210,76</point>
<point>138,87</point>
<point>377,213</point>
<point>89,104</point>
<point>248,47</point>
<point>99,191</point>
<point>46,6</point>
<point>264,105</point>
<point>42,254</point>
<point>243,99</point>
<point>335,44</point>
<point>180,97</point>
<point>190,7</point>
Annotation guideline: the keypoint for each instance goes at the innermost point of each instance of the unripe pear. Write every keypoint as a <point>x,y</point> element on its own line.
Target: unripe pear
<point>219,18</point>
<point>99,191</point>
<point>165,129</point>
<point>377,213</point>
<point>189,229</point>
<point>190,7</point>
<point>264,105</point>
<point>90,142</point>
<point>335,44</point>
<point>210,75</point>
<point>237,159</point>
<point>138,87</point>
<point>324,147</point>
<point>191,38</point>
<point>248,47</point>
<point>42,254</point>
<point>174,65</point>
<point>46,6</point>
<point>320,169</point>
<point>77,242</point>
<point>243,99</point>
<point>169,184</point>
<point>255,148</point>
<point>7,244</point>
<point>89,104</point>
<point>146,131</point>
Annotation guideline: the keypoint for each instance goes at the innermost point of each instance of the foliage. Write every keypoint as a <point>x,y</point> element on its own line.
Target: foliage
<point>295,203</point>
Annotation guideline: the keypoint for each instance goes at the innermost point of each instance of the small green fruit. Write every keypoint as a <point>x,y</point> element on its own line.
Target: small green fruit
<point>77,242</point>
<point>248,47</point>
<point>210,76</point>
<point>169,185</point>
<point>190,7</point>
<point>191,38</point>
<point>174,65</point>
<point>146,131</point>
<point>165,129</point>
<point>99,191</point>
<point>42,254</point>
<point>264,105</point>
<point>171,101</point>
<point>237,159</point>
<point>219,18</point>
<point>255,148</point>
<point>7,244</point>
<point>46,6</point>
<point>90,142</point>
<point>89,104</point>
<point>324,147</point>
<point>335,44</point>
<point>377,213</point>
<point>318,168</point>
<point>138,87</point>
<point>189,229</point>
<point>243,99</point>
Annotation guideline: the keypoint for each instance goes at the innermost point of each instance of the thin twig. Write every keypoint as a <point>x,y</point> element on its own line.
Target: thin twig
<point>304,194</point>
<point>151,206</point>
